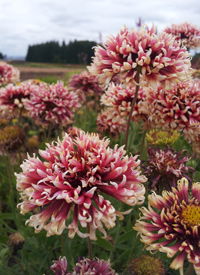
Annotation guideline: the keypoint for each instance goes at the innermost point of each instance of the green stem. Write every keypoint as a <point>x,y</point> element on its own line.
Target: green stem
<point>49,132</point>
<point>115,243</point>
<point>89,243</point>
<point>122,255</point>
<point>15,213</point>
<point>62,244</point>
<point>190,269</point>
<point>19,119</point>
<point>21,267</point>
<point>132,248</point>
<point>8,173</point>
<point>85,117</point>
<point>132,108</point>
<point>117,235</point>
<point>132,136</point>
<point>143,144</point>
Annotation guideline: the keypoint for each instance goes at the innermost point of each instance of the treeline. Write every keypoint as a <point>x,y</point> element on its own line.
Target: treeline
<point>2,56</point>
<point>77,52</point>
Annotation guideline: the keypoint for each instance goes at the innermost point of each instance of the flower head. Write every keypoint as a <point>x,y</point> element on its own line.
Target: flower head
<point>13,98</point>
<point>37,82</point>
<point>161,137</point>
<point>187,34</point>
<point>73,132</point>
<point>16,241</point>
<point>60,267</point>
<point>33,144</point>
<point>8,74</point>
<point>11,138</point>
<point>84,84</point>
<point>178,108</point>
<point>156,58</point>
<point>84,266</point>
<point>92,267</point>
<point>52,104</point>
<point>110,122</point>
<point>165,167</point>
<point>75,174</point>
<point>171,224</point>
<point>119,100</point>
<point>144,266</point>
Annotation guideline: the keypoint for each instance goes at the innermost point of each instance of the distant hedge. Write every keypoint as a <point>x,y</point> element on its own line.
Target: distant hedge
<point>77,52</point>
<point>2,56</point>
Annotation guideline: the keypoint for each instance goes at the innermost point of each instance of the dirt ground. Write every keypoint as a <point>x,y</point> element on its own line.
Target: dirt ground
<point>34,73</point>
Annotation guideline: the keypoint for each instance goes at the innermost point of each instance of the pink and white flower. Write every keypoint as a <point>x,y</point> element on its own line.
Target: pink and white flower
<point>84,266</point>
<point>93,267</point>
<point>84,84</point>
<point>8,74</point>
<point>60,267</point>
<point>171,224</point>
<point>165,167</point>
<point>74,177</point>
<point>52,104</point>
<point>13,98</point>
<point>119,100</point>
<point>178,108</point>
<point>186,34</point>
<point>109,121</point>
<point>156,58</point>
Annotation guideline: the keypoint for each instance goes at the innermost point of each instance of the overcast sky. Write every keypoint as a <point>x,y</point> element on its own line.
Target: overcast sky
<point>29,22</point>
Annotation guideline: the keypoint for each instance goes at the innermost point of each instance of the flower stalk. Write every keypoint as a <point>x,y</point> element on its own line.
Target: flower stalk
<point>89,243</point>
<point>132,108</point>
<point>190,270</point>
<point>142,150</point>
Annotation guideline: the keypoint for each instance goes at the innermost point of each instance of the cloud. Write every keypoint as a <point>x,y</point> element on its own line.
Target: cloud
<point>26,23</point>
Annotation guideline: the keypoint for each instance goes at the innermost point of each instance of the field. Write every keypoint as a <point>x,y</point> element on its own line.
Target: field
<point>25,250</point>
<point>51,72</point>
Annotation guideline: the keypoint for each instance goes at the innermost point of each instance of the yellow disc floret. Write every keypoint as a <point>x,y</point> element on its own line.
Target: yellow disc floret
<point>191,215</point>
<point>161,137</point>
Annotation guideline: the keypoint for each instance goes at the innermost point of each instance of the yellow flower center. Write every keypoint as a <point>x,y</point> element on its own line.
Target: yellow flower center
<point>191,215</point>
<point>161,137</point>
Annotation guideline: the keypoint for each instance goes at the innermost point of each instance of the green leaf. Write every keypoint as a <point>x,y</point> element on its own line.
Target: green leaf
<point>104,255</point>
<point>123,255</point>
<point>122,246</point>
<point>103,243</point>
<point>6,216</point>
<point>3,239</point>
<point>4,251</point>
<point>127,236</point>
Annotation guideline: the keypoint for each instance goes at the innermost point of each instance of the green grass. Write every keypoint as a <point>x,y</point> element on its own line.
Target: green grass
<point>50,79</point>
<point>69,74</point>
<point>47,65</point>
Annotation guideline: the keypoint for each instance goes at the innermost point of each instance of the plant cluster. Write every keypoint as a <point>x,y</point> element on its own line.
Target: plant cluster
<point>97,162</point>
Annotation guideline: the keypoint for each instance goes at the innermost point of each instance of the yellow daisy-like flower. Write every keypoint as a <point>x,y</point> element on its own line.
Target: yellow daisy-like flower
<point>161,137</point>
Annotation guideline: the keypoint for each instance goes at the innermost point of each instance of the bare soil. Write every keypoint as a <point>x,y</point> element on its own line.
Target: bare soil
<point>34,73</point>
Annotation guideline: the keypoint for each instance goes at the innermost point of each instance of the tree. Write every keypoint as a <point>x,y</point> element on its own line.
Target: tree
<point>77,52</point>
